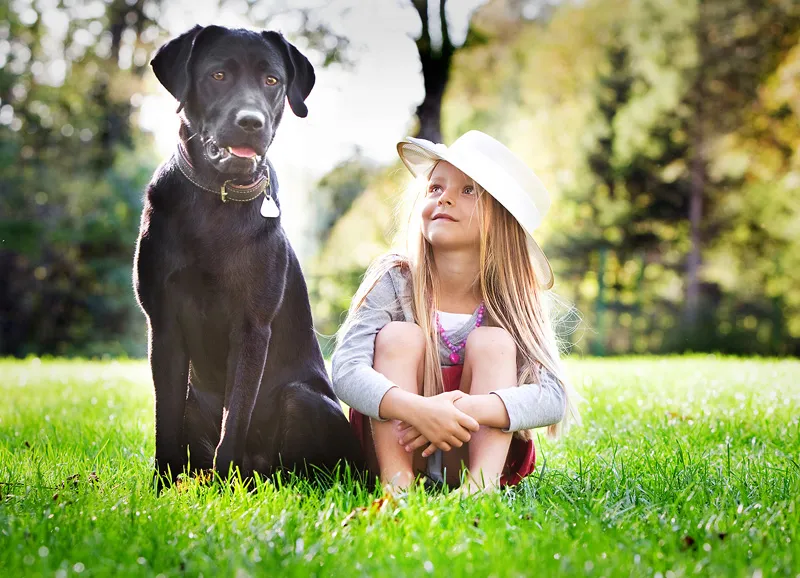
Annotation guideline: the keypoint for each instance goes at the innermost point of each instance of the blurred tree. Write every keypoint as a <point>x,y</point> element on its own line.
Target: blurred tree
<point>71,179</point>
<point>603,100</point>
<point>738,44</point>
<point>73,164</point>
<point>336,191</point>
<point>667,131</point>
<point>437,50</point>
<point>435,70</point>
<point>357,202</point>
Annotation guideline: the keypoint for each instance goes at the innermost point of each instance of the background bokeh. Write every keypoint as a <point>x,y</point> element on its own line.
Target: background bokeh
<point>666,131</point>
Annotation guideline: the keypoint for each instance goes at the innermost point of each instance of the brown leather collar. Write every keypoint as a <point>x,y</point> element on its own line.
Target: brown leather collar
<point>227,191</point>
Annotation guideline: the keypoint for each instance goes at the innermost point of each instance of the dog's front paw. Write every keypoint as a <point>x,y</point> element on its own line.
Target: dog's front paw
<point>166,473</point>
<point>228,467</point>
<point>225,468</point>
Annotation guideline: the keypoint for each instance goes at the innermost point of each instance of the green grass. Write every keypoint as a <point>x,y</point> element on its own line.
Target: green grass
<point>684,466</point>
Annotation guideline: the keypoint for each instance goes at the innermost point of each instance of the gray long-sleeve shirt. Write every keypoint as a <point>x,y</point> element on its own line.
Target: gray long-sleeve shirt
<point>362,388</point>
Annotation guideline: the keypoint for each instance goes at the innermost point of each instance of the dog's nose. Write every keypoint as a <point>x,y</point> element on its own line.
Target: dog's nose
<point>250,120</point>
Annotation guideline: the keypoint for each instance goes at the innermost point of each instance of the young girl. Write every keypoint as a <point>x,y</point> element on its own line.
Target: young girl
<point>449,352</point>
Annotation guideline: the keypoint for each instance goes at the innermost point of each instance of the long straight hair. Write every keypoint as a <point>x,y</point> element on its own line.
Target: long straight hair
<point>510,290</point>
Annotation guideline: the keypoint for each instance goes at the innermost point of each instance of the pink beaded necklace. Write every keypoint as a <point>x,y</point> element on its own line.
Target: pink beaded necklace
<point>455,357</point>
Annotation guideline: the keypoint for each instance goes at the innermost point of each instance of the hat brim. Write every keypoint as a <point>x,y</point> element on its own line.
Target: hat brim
<point>420,156</point>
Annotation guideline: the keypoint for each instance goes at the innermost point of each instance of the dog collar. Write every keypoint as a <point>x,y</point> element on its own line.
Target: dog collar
<point>227,191</point>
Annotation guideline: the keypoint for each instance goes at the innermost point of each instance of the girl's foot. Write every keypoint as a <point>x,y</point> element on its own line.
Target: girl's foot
<point>471,489</point>
<point>422,482</point>
<point>400,482</point>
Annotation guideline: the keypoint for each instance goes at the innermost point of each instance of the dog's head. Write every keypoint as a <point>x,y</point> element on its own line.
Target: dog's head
<point>231,85</point>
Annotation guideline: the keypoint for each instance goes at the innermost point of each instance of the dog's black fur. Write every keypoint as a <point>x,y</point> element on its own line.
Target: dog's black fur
<point>238,374</point>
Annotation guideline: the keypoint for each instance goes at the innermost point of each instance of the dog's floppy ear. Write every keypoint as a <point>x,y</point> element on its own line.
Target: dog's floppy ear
<point>299,70</point>
<point>172,63</point>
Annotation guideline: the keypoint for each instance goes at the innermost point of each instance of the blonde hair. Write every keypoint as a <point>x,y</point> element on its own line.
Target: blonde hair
<point>509,288</point>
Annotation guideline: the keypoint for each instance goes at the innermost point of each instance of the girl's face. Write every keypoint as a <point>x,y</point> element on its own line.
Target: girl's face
<point>450,209</point>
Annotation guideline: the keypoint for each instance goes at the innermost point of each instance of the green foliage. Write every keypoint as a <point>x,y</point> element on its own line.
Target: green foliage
<point>73,166</point>
<point>361,234</point>
<point>335,192</point>
<point>683,466</point>
<point>628,111</point>
<point>72,178</point>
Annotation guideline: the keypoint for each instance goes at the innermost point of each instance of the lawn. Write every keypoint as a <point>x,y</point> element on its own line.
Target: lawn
<point>683,466</point>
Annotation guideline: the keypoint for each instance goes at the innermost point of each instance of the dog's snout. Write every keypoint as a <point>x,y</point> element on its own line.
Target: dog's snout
<point>250,120</point>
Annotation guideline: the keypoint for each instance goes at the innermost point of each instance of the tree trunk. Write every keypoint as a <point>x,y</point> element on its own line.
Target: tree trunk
<point>697,168</point>
<point>435,72</point>
<point>693,262</point>
<point>600,305</point>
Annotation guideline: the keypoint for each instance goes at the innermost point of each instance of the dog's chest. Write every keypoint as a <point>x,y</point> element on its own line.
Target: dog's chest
<point>223,279</point>
<point>201,294</point>
<point>228,247</point>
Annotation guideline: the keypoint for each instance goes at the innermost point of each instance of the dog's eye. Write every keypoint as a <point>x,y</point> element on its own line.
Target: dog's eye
<point>271,81</point>
<point>219,75</point>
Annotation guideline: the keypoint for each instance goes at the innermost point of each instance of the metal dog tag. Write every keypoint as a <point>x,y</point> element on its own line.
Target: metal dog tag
<point>269,209</point>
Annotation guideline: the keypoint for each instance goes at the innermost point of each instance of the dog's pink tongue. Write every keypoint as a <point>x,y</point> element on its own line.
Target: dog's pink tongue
<point>245,152</point>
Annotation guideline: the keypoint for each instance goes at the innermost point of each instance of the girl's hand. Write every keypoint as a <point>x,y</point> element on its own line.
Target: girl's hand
<point>438,422</point>
<point>409,437</point>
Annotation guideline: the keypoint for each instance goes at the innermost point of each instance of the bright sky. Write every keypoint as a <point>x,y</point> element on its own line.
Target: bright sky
<point>370,105</point>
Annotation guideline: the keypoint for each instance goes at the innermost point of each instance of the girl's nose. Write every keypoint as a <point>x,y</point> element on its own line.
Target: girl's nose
<point>445,199</point>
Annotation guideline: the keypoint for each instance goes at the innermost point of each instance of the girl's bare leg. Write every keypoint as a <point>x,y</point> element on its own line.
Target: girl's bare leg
<point>399,353</point>
<point>490,363</point>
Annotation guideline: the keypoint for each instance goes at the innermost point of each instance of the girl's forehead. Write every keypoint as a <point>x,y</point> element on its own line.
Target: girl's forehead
<point>444,170</point>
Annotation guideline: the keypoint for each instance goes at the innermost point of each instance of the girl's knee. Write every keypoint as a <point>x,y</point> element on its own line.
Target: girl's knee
<point>486,343</point>
<point>400,339</point>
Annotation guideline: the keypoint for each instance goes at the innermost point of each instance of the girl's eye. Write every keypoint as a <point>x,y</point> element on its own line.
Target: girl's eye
<point>469,191</point>
<point>219,75</point>
<point>434,189</point>
<point>271,81</point>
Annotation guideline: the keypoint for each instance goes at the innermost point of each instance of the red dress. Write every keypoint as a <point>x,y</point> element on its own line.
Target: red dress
<point>521,458</point>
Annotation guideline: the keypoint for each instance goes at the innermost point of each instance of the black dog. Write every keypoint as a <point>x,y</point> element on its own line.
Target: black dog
<point>238,374</point>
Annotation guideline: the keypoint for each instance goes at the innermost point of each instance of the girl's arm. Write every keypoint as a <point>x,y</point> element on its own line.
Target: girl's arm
<point>512,409</point>
<point>371,393</point>
<point>355,382</point>
<point>438,421</point>
<point>531,405</point>
<point>487,409</point>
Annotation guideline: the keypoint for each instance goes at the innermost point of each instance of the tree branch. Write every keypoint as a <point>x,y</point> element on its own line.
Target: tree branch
<point>447,44</point>
<point>424,40</point>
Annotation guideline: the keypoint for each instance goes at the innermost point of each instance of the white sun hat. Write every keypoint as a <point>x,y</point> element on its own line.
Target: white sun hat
<point>499,171</point>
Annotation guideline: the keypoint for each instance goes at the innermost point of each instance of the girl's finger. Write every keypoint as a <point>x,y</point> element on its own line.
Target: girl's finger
<point>402,432</point>
<point>444,446</point>
<point>411,434</point>
<point>405,430</point>
<point>455,442</point>
<point>410,439</point>
<point>428,452</point>
<point>468,422</point>
<point>415,444</point>
<point>463,435</point>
